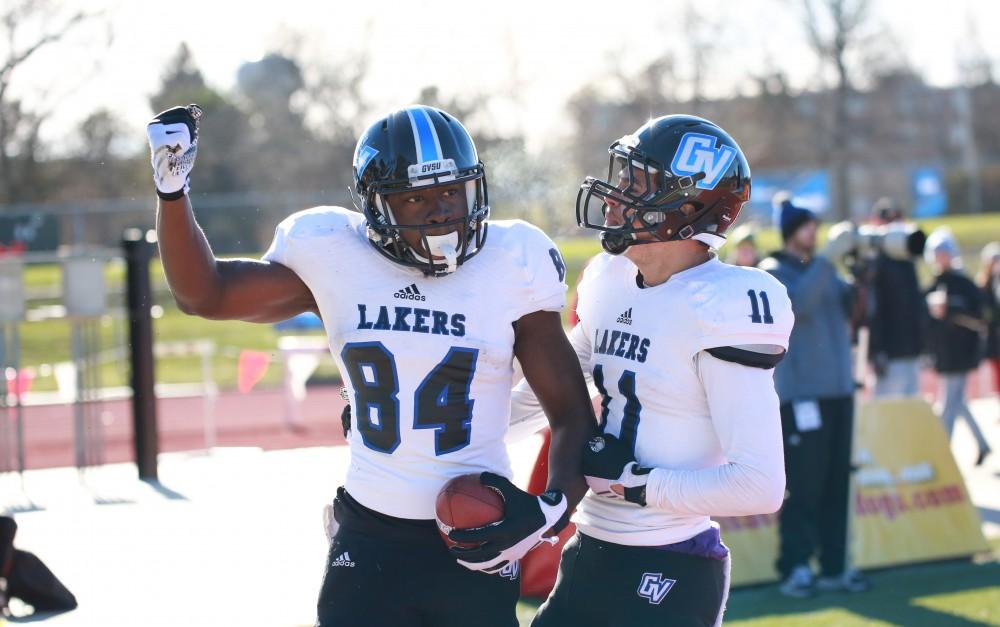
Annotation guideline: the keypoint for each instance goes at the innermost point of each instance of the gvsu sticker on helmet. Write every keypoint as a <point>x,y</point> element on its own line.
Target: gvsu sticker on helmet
<point>697,153</point>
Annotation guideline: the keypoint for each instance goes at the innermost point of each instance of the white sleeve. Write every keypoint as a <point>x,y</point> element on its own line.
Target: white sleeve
<point>747,421</point>
<point>748,309</point>
<point>278,251</point>
<point>542,273</point>
<point>526,414</point>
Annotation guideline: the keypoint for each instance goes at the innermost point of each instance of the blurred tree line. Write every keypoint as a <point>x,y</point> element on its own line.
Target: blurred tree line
<point>287,130</point>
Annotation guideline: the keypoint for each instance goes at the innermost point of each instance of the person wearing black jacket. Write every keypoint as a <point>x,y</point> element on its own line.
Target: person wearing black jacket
<point>897,319</point>
<point>954,328</point>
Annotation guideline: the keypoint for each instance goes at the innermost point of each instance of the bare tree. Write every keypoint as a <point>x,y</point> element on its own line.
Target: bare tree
<point>18,126</point>
<point>835,31</point>
<point>700,35</point>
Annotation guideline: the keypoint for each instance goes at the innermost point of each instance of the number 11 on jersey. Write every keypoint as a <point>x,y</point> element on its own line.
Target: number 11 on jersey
<point>755,308</point>
<point>630,417</point>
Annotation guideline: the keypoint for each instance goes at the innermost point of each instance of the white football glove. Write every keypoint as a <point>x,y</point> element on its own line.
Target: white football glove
<point>173,145</point>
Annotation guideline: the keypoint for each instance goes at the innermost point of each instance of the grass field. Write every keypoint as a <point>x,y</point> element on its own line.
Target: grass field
<point>932,595</point>
<point>48,341</point>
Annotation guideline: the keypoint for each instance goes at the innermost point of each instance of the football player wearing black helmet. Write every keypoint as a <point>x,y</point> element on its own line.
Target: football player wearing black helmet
<point>677,177</point>
<point>681,348</point>
<point>401,161</point>
<point>425,341</point>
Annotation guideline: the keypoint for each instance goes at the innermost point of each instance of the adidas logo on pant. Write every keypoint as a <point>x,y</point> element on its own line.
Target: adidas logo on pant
<point>410,292</point>
<point>343,560</point>
<point>626,317</point>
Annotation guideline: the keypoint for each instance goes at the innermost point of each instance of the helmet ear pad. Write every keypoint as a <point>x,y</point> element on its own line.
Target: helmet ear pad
<point>694,218</point>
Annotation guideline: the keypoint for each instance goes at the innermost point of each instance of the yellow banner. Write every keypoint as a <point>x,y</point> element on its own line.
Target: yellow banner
<point>910,502</point>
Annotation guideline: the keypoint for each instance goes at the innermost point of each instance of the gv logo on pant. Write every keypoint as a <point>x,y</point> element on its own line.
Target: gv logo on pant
<point>654,587</point>
<point>697,153</point>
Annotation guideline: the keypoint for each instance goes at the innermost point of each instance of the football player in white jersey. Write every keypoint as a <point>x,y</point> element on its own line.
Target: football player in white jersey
<point>424,318</point>
<point>681,347</point>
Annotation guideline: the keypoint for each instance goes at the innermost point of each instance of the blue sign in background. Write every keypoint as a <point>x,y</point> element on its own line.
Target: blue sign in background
<point>930,195</point>
<point>809,188</point>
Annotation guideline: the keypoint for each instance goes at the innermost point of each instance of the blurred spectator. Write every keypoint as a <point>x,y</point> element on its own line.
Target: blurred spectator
<point>816,391</point>
<point>23,576</point>
<point>989,283</point>
<point>886,210</point>
<point>743,246</point>
<point>897,316</point>
<point>953,332</point>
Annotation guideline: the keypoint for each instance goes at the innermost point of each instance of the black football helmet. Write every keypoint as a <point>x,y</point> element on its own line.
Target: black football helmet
<point>669,162</point>
<point>419,146</point>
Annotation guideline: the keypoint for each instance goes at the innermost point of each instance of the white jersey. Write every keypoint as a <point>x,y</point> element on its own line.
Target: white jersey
<point>710,428</point>
<point>427,360</point>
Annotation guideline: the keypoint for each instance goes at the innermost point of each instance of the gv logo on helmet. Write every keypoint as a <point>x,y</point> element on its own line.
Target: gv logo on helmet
<point>697,153</point>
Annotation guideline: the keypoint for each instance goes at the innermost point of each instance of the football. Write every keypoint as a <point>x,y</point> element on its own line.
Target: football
<point>464,503</point>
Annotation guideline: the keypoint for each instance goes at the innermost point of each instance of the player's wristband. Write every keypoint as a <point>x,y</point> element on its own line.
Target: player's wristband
<point>181,193</point>
<point>555,503</point>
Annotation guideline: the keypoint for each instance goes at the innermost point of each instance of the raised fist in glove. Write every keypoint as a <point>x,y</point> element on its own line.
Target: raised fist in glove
<point>611,471</point>
<point>173,144</point>
<point>528,520</point>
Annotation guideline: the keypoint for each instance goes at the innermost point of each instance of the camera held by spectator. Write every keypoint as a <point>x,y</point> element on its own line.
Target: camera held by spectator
<point>898,240</point>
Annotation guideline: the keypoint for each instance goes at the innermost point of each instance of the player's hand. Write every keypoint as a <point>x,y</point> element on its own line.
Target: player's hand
<point>611,471</point>
<point>173,145</point>
<point>528,520</point>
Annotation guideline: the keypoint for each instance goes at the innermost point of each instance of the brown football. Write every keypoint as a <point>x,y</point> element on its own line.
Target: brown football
<point>464,503</point>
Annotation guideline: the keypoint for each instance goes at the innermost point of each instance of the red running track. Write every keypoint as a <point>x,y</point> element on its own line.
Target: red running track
<point>253,419</point>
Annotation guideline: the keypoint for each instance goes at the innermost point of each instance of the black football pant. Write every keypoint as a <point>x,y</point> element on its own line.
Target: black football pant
<point>601,584</point>
<point>392,572</point>
<point>817,477</point>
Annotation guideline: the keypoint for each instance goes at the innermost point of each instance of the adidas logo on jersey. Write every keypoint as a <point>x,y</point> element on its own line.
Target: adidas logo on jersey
<point>343,560</point>
<point>410,292</point>
<point>626,317</point>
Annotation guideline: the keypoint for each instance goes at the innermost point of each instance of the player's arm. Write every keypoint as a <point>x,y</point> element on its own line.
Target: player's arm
<point>551,367</point>
<point>527,415</point>
<point>223,289</point>
<point>240,289</point>
<point>744,410</point>
<point>746,418</point>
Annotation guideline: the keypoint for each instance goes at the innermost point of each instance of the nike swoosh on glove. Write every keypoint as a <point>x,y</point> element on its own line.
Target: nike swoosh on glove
<point>607,462</point>
<point>173,146</point>
<point>527,520</point>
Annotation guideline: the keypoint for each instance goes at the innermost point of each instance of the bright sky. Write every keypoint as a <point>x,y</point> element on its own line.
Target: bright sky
<point>534,53</point>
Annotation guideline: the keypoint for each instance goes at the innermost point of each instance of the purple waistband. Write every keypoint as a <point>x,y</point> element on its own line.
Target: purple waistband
<point>707,544</point>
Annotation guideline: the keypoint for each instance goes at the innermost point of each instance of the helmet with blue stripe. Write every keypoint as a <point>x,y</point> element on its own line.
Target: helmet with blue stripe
<point>424,147</point>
